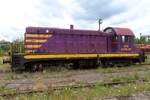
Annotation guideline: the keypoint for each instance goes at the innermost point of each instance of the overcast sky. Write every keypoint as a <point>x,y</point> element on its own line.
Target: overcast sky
<point>16,15</point>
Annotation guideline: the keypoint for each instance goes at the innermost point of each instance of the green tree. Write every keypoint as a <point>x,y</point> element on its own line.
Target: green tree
<point>142,40</point>
<point>17,46</point>
<point>4,47</point>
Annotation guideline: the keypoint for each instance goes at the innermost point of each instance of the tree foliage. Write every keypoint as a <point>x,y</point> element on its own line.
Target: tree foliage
<point>4,47</point>
<point>15,46</point>
<point>142,40</point>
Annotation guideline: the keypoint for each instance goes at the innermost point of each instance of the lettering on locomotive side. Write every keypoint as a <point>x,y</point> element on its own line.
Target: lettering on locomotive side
<point>126,48</point>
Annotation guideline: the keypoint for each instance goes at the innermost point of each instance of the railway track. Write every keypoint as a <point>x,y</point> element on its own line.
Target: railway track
<point>89,85</point>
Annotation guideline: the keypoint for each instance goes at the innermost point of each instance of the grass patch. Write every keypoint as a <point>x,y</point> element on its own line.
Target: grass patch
<point>4,89</point>
<point>97,92</point>
<point>128,78</point>
<point>4,67</point>
<point>1,60</point>
<point>148,58</point>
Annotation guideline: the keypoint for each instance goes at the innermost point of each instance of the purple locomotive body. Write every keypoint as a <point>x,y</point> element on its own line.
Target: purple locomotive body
<point>65,41</point>
<point>45,46</point>
<point>53,40</point>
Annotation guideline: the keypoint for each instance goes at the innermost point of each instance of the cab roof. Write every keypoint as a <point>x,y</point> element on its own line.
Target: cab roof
<point>119,31</point>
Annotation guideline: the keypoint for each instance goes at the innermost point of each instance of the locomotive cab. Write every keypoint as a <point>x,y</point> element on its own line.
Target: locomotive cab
<point>121,39</point>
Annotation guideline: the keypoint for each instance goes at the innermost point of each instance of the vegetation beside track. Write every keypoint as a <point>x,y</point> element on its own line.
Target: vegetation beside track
<point>4,67</point>
<point>1,60</point>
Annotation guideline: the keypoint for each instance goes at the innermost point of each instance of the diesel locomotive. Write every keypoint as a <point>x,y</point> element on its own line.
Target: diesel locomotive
<point>79,48</point>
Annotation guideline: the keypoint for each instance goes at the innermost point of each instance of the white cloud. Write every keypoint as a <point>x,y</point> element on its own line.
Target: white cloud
<point>136,17</point>
<point>15,15</point>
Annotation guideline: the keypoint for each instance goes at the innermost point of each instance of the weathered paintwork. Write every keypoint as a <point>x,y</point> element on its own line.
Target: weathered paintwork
<point>64,41</point>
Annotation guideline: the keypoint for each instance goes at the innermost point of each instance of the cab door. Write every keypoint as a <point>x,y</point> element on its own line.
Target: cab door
<point>114,43</point>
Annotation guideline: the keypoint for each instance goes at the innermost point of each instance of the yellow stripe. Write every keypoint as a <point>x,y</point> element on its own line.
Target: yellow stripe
<point>32,46</point>
<point>36,41</point>
<point>29,51</point>
<point>38,35</point>
<point>117,55</point>
<point>78,56</point>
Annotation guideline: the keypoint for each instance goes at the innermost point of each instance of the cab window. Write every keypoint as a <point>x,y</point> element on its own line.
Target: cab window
<point>125,39</point>
<point>114,38</point>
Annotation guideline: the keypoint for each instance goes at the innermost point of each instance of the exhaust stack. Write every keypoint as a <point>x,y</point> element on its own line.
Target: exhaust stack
<point>100,22</point>
<point>71,27</point>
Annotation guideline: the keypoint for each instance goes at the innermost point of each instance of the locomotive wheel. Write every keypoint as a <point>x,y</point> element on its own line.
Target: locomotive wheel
<point>34,68</point>
<point>28,67</point>
<point>75,65</point>
<point>104,64</point>
<point>40,67</point>
<point>88,64</point>
<point>37,67</point>
<point>111,64</point>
